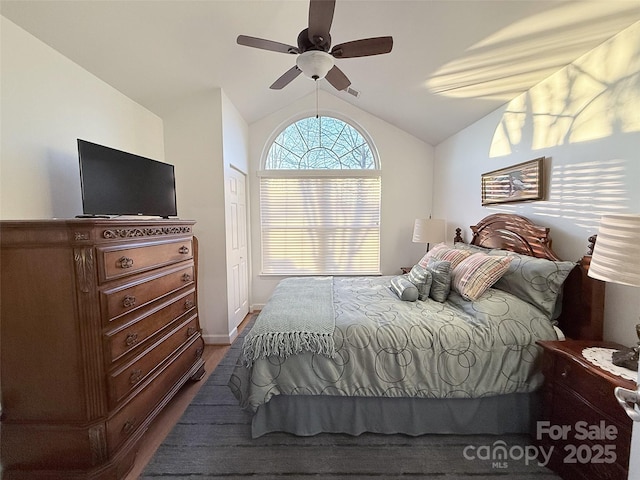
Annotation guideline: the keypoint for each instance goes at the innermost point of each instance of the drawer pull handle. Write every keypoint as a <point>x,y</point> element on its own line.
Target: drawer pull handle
<point>199,352</point>
<point>131,339</point>
<point>129,426</point>
<point>188,304</point>
<point>135,377</point>
<point>191,331</point>
<point>125,262</point>
<point>183,250</point>
<point>186,278</point>
<point>128,301</point>
<point>565,372</point>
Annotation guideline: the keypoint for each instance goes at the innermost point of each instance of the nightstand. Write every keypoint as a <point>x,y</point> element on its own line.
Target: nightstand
<point>580,419</point>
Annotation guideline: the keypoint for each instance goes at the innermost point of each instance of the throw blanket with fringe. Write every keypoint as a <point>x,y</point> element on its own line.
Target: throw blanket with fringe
<point>298,318</point>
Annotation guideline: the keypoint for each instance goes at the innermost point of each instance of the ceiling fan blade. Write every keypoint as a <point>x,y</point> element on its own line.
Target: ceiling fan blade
<point>337,78</point>
<point>286,78</point>
<point>320,19</point>
<point>363,48</point>
<point>266,44</point>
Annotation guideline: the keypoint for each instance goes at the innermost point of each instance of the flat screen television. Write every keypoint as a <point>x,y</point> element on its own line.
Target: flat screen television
<point>119,183</point>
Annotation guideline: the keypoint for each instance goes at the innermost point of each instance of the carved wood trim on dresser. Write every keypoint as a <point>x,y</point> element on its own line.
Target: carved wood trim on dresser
<point>99,330</point>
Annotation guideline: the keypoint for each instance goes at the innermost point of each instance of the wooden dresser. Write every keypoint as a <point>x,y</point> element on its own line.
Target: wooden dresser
<point>589,432</point>
<point>99,329</point>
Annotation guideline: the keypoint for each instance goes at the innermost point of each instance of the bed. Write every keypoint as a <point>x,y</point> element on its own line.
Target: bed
<point>464,361</point>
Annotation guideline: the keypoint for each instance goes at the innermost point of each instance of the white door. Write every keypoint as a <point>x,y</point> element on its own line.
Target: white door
<point>237,269</point>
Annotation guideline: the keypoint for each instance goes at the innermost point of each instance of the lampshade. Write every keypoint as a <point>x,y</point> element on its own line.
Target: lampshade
<point>616,256</point>
<point>428,230</point>
<point>314,63</point>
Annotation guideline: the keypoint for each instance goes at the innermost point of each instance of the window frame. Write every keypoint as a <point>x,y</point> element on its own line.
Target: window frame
<point>322,113</point>
<point>321,173</point>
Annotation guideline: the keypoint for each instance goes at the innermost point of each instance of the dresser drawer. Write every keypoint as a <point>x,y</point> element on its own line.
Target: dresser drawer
<point>131,296</point>
<point>128,419</point>
<point>120,261</point>
<point>590,387</point>
<point>124,379</point>
<point>571,412</point>
<point>134,333</point>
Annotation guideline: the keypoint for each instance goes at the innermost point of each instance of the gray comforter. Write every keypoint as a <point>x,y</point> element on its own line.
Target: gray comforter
<point>389,348</point>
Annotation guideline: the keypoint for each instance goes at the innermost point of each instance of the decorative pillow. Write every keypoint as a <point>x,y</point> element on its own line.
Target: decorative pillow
<point>535,280</point>
<point>443,252</point>
<point>422,279</point>
<point>475,274</point>
<point>405,290</point>
<point>440,271</point>
<point>470,248</point>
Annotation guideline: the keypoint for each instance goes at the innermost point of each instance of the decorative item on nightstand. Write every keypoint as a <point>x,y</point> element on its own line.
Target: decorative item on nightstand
<point>428,230</point>
<point>616,258</point>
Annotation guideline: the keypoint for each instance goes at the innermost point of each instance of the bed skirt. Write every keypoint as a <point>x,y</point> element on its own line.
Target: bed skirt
<point>306,415</point>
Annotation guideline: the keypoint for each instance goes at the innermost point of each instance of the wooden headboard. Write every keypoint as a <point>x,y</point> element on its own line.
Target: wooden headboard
<point>583,297</point>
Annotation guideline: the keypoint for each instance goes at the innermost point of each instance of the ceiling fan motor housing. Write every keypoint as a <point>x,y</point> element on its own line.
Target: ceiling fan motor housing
<point>318,43</point>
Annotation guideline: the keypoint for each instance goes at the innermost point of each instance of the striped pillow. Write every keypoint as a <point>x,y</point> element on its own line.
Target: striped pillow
<point>422,279</point>
<point>471,248</point>
<point>475,274</point>
<point>443,252</point>
<point>440,271</point>
<point>405,290</point>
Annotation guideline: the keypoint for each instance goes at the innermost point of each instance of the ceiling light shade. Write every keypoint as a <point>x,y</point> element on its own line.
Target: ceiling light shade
<point>616,256</point>
<point>315,63</point>
<point>428,230</point>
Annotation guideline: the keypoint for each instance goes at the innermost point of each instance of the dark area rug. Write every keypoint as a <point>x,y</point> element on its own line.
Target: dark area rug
<point>213,440</point>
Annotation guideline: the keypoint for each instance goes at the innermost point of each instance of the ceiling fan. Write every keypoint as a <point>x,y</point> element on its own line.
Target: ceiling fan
<point>315,55</point>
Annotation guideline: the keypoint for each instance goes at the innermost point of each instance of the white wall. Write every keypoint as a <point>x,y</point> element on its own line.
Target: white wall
<point>407,170</point>
<point>235,134</point>
<point>193,143</point>
<point>585,120</point>
<point>47,103</point>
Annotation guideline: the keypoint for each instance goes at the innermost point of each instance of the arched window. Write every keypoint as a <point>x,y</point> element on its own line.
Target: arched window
<point>320,143</point>
<point>320,201</point>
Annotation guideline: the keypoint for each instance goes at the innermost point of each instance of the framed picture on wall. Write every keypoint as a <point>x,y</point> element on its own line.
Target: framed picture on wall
<point>517,183</point>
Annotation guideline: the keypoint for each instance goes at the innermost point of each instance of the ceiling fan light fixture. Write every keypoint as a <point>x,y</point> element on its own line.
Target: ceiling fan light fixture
<point>315,64</point>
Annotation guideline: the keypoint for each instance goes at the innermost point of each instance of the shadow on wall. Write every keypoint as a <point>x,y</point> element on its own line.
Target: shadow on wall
<point>582,193</point>
<point>63,174</point>
<point>507,62</point>
<point>595,97</point>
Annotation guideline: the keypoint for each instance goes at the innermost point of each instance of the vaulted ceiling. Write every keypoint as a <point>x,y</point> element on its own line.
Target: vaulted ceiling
<point>453,61</point>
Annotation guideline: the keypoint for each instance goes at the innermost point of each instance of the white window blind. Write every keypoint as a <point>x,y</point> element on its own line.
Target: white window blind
<point>320,224</point>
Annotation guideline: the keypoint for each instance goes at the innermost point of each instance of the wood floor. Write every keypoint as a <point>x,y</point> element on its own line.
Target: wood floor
<point>165,421</point>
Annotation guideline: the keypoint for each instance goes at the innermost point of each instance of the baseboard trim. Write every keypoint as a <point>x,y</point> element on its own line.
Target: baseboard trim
<point>220,339</point>
<point>231,336</point>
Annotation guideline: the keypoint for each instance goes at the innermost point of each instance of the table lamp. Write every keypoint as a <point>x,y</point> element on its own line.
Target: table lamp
<point>616,259</point>
<point>428,230</point>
